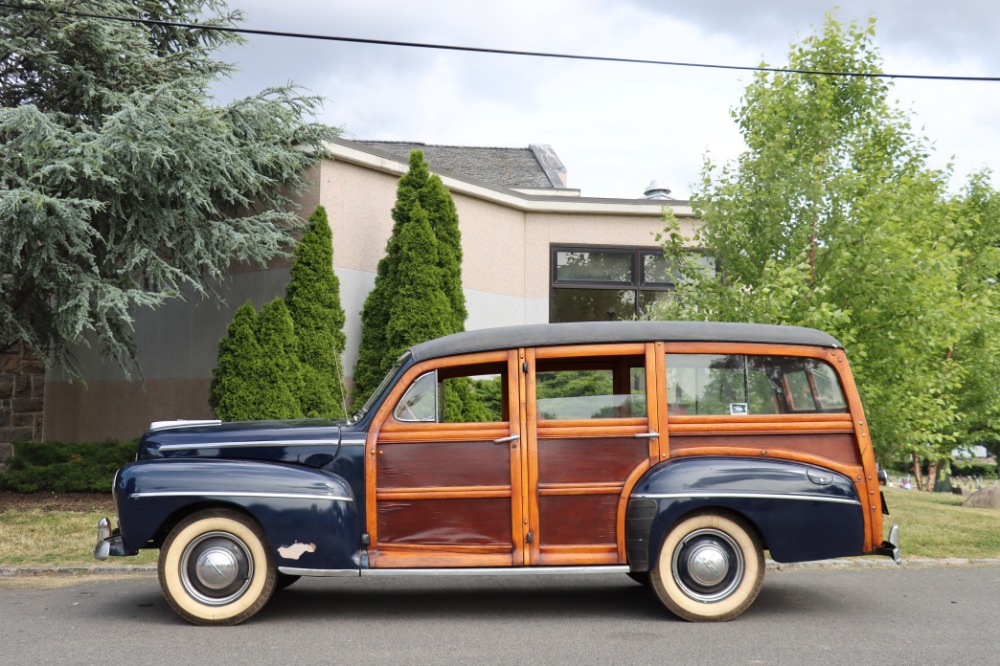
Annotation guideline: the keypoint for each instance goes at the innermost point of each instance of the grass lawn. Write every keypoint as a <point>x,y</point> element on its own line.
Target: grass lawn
<point>55,538</point>
<point>937,525</point>
<point>933,525</point>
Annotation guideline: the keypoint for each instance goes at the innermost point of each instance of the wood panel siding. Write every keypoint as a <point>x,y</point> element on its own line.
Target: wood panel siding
<point>440,523</point>
<point>436,464</point>
<point>836,447</point>
<point>589,460</point>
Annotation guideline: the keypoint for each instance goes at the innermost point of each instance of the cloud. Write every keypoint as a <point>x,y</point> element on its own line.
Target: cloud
<point>616,127</point>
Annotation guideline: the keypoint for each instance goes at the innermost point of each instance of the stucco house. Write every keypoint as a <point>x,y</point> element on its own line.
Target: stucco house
<point>535,250</point>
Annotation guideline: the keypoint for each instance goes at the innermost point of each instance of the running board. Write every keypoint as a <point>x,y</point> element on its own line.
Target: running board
<point>478,571</point>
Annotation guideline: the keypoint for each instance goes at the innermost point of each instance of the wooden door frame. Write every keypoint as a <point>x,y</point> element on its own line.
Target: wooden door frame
<point>653,361</point>
<point>386,429</point>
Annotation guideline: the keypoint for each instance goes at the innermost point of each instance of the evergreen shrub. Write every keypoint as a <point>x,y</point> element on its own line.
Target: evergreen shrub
<point>66,467</point>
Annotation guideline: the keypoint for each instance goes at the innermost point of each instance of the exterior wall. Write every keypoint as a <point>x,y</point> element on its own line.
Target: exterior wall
<point>506,240</point>
<point>178,345</point>
<point>22,399</point>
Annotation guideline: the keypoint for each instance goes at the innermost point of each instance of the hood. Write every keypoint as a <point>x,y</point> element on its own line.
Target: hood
<point>311,442</point>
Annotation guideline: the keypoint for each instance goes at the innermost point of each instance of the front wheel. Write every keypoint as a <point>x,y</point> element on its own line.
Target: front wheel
<point>215,568</point>
<point>710,568</point>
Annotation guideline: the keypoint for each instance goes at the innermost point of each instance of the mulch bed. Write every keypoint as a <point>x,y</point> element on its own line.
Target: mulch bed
<point>76,502</point>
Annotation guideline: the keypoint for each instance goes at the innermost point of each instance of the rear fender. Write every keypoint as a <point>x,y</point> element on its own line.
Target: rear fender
<point>310,516</point>
<point>801,512</point>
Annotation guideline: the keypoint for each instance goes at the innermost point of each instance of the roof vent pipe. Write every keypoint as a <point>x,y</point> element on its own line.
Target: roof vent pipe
<point>657,190</point>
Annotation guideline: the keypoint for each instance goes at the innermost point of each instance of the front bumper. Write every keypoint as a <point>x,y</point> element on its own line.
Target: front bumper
<point>109,541</point>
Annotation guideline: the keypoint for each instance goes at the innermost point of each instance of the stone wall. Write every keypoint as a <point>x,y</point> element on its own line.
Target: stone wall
<point>22,398</point>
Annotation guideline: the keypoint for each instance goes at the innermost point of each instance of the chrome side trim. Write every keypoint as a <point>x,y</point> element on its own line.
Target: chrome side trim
<point>773,496</point>
<point>256,444</point>
<point>183,423</point>
<point>238,493</point>
<point>498,571</point>
<point>325,573</point>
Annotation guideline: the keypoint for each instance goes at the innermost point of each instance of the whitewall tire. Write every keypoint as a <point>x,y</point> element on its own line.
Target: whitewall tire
<point>216,568</point>
<point>710,568</point>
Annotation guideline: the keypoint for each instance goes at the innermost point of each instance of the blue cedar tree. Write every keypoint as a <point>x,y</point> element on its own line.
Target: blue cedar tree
<point>121,181</point>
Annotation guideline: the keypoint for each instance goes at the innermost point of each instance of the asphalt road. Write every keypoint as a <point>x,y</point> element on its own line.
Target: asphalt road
<point>942,615</point>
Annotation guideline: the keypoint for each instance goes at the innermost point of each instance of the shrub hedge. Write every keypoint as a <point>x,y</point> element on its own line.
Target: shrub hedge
<point>66,468</point>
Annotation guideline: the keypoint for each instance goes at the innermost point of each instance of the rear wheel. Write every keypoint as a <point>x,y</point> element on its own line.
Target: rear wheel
<point>710,568</point>
<point>216,568</point>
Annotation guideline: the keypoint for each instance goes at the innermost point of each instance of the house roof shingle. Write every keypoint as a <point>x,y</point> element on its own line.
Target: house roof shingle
<point>503,167</point>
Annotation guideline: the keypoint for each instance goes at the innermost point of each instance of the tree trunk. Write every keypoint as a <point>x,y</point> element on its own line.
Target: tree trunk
<point>932,470</point>
<point>917,474</point>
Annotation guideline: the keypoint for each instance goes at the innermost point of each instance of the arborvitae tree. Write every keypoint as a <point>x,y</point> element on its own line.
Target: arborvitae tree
<point>376,354</point>
<point>120,180</point>
<point>420,310</point>
<point>313,299</point>
<point>374,358</point>
<point>235,380</point>
<point>440,207</point>
<point>280,377</point>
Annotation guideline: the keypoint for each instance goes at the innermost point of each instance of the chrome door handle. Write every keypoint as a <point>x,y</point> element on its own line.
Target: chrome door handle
<point>646,435</point>
<point>505,440</point>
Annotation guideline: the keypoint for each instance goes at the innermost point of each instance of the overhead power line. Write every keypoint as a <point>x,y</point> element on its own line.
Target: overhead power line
<point>509,52</point>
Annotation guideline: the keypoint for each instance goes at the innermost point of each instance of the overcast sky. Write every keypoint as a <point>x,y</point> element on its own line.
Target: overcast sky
<point>616,127</point>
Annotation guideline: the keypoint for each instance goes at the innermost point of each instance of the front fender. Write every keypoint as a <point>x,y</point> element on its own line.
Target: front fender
<point>310,516</point>
<point>801,512</point>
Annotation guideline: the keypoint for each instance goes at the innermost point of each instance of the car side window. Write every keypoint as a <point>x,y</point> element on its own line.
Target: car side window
<point>738,384</point>
<point>591,390</point>
<point>419,403</point>
<point>466,394</point>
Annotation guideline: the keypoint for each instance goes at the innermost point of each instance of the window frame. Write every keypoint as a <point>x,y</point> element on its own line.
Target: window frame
<point>637,286</point>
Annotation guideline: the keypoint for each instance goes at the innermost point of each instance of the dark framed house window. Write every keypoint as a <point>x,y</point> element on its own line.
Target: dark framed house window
<point>591,283</point>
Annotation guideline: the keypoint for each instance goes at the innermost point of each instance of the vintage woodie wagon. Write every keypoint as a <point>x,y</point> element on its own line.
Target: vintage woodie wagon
<point>673,452</point>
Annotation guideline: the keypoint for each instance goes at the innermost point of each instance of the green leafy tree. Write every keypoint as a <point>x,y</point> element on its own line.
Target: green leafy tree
<point>280,378</point>
<point>235,390</point>
<point>120,181</point>
<point>377,352</point>
<point>313,299</point>
<point>832,218</point>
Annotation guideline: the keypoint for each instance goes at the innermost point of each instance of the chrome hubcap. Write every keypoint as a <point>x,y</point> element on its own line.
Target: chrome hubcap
<point>707,565</point>
<point>216,568</point>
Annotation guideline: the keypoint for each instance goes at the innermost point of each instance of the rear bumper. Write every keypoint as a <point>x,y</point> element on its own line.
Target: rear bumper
<point>890,547</point>
<point>109,541</point>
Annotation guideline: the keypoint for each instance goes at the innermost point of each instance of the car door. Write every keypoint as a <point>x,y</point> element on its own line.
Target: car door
<point>444,472</point>
<point>591,427</point>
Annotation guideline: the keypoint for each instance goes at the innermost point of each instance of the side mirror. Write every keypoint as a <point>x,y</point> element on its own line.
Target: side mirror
<point>883,477</point>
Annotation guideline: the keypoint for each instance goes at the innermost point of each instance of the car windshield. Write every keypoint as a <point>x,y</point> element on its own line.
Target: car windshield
<point>381,388</point>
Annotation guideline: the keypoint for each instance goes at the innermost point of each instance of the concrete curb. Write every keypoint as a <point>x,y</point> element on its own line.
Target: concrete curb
<point>882,563</point>
<point>82,570</point>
